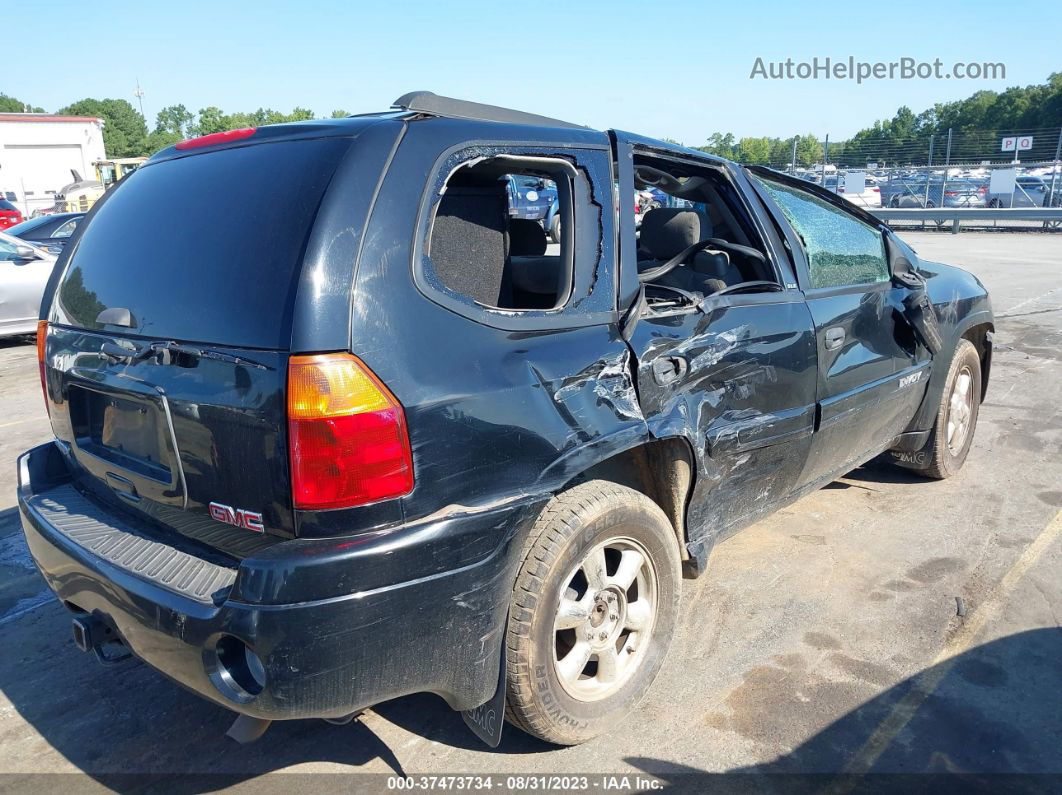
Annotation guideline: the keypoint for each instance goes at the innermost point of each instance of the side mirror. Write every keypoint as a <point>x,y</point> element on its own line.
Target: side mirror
<point>902,258</point>
<point>26,252</point>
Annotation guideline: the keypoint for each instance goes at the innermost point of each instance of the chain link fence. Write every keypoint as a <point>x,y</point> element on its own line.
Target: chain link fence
<point>972,169</point>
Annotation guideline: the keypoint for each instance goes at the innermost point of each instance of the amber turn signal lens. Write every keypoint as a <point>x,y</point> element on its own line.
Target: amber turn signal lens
<point>42,340</point>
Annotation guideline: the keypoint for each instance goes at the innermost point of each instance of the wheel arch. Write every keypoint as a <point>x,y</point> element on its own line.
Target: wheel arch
<point>664,470</point>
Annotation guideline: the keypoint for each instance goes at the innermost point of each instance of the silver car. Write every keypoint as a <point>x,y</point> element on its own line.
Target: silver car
<point>1028,192</point>
<point>24,271</point>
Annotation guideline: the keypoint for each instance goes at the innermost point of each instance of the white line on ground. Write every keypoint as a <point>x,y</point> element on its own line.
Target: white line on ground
<point>929,679</point>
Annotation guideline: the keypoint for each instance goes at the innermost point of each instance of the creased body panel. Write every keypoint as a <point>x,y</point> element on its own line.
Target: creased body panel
<point>746,403</point>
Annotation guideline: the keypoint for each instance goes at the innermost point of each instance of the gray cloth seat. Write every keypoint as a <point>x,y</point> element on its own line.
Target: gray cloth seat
<point>666,232</point>
<point>534,273</point>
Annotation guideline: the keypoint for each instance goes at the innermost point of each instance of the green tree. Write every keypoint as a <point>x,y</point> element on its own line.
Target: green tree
<point>754,151</point>
<point>12,105</point>
<point>809,150</point>
<point>339,114</point>
<point>174,119</point>
<point>719,145</point>
<point>124,131</point>
<point>172,124</point>
<point>211,120</point>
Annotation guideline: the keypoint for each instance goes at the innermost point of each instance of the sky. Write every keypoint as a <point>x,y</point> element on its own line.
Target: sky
<point>673,69</point>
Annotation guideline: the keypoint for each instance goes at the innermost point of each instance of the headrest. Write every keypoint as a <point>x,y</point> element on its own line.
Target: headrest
<point>526,238</point>
<point>668,230</point>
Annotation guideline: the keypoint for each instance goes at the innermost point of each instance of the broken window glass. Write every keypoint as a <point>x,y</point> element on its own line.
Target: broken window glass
<point>841,249</point>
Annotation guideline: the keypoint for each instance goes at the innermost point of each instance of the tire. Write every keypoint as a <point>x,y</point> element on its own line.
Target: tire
<point>960,401</point>
<point>571,707</point>
<point>995,204</point>
<point>555,228</point>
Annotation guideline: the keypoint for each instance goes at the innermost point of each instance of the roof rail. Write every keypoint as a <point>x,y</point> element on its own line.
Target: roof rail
<point>435,105</point>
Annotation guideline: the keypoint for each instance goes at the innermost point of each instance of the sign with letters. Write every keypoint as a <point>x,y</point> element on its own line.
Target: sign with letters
<point>1017,143</point>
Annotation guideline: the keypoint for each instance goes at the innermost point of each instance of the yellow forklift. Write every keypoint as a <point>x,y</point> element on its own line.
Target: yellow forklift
<point>81,194</point>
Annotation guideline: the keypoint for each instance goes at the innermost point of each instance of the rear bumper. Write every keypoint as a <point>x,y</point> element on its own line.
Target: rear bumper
<point>328,649</point>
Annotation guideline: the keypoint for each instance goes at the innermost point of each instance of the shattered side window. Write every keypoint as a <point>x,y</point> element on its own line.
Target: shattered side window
<point>841,249</point>
<point>501,238</point>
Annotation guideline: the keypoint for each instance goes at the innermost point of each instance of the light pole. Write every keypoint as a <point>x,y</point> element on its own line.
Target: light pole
<point>139,94</point>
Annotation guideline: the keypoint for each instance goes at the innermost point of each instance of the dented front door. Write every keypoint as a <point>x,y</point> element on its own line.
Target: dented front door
<point>736,377</point>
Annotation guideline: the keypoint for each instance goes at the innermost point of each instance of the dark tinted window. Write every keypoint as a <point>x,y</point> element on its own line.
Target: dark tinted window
<point>203,248</point>
<point>6,205</point>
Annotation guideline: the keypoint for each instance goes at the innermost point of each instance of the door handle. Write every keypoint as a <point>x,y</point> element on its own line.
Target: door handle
<point>668,369</point>
<point>834,338</point>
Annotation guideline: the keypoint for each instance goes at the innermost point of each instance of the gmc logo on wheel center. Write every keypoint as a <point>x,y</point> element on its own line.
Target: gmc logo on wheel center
<point>248,520</point>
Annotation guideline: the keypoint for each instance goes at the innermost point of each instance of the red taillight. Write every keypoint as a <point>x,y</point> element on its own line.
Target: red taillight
<point>216,138</point>
<point>42,339</point>
<point>347,435</point>
<point>951,193</point>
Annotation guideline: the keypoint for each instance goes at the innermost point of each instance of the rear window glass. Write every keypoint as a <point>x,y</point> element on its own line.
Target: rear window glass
<point>205,248</point>
<point>6,205</point>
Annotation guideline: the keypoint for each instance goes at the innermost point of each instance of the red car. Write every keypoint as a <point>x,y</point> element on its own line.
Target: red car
<point>9,214</point>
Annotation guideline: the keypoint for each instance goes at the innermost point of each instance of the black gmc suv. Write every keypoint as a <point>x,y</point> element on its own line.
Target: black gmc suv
<point>349,431</point>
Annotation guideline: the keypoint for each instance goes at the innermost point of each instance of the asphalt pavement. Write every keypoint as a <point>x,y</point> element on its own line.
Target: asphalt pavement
<point>885,624</point>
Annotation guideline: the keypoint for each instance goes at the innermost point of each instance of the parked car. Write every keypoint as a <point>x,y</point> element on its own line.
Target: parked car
<point>530,196</point>
<point>912,192</point>
<point>48,231</point>
<point>24,271</point>
<point>1028,192</point>
<point>534,199</point>
<point>374,441</point>
<point>9,214</point>
<point>869,197</point>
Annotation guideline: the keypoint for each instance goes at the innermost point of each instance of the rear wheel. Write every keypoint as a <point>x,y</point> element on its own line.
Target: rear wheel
<point>952,434</point>
<point>593,612</point>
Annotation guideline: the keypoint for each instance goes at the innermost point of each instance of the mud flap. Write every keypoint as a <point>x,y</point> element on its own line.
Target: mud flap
<point>918,311</point>
<point>486,720</point>
<point>912,450</point>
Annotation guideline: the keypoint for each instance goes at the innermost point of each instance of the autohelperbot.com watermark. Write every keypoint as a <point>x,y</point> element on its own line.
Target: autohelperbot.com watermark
<point>849,68</point>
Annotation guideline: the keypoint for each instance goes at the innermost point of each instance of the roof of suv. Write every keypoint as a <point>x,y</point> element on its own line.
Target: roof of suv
<point>414,105</point>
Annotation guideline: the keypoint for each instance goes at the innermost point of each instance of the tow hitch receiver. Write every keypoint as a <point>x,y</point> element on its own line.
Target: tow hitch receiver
<point>92,634</point>
<point>88,631</point>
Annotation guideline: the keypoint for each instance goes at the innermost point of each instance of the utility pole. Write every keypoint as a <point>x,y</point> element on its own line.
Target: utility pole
<point>792,158</point>
<point>139,94</point>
